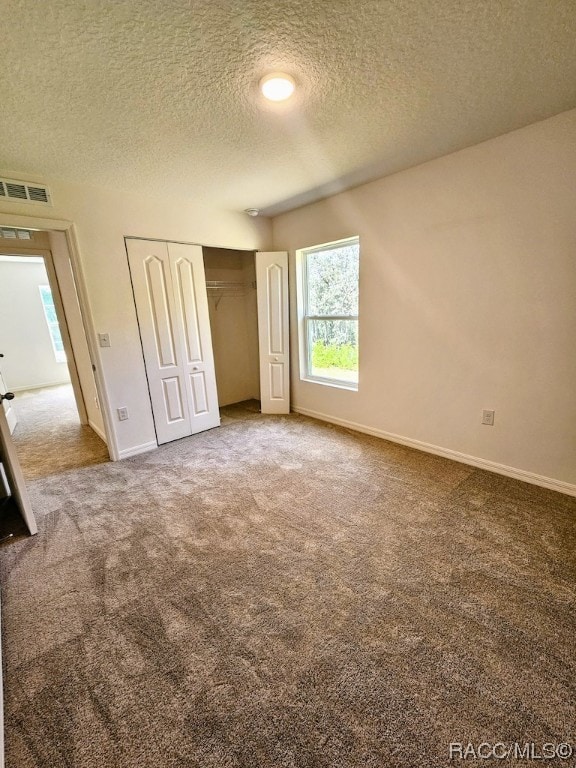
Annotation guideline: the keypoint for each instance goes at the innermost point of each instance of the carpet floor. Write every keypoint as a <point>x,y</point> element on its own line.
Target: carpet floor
<point>49,437</point>
<point>280,592</point>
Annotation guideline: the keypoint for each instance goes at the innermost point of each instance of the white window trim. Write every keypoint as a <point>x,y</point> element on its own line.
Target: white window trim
<point>304,318</point>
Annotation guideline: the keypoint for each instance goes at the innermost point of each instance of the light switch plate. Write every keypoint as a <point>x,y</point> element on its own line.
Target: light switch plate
<point>122,414</point>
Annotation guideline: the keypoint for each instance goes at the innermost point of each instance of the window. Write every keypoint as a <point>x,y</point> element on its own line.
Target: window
<point>329,312</point>
<point>52,321</point>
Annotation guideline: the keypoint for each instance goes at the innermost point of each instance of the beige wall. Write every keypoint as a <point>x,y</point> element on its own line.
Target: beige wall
<point>102,218</point>
<point>467,300</point>
<point>29,361</point>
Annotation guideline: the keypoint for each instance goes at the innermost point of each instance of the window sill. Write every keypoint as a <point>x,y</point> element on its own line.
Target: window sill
<point>350,386</point>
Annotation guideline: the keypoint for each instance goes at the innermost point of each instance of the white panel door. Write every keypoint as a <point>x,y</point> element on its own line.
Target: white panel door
<point>11,417</point>
<point>172,308</point>
<point>14,476</point>
<point>160,335</point>
<point>273,331</point>
<point>191,305</point>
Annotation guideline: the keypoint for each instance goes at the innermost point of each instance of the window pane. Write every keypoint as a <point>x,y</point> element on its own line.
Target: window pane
<point>333,349</point>
<point>52,321</point>
<point>332,280</point>
<point>56,337</point>
<point>50,313</point>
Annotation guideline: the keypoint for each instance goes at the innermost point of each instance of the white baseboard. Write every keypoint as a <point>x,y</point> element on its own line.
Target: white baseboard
<point>137,449</point>
<point>98,431</point>
<point>40,386</point>
<point>463,458</point>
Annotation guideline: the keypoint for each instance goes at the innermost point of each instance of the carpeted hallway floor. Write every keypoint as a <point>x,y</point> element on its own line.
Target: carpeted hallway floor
<point>49,437</point>
<point>283,593</point>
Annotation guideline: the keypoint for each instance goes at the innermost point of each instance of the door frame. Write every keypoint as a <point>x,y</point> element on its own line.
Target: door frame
<point>46,255</point>
<point>69,230</point>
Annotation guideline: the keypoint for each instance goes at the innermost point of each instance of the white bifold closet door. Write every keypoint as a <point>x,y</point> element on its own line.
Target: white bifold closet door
<point>172,308</point>
<point>273,331</point>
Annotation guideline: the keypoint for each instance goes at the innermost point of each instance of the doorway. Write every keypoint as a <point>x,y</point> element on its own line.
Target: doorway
<point>46,361</point>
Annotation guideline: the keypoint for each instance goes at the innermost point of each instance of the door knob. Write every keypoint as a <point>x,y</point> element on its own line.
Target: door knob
<point>7,396</point>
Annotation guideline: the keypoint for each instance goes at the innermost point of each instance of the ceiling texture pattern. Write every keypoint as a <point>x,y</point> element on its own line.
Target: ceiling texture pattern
<point>161,96</point>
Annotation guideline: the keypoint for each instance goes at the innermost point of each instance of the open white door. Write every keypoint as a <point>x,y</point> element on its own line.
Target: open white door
<point>172,308</point>
<point>273,331</point>
<point>11,417</point>
<point>14,475</point>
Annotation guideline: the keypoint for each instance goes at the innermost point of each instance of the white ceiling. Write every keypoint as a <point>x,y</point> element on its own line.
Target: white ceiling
<point>161,96</point>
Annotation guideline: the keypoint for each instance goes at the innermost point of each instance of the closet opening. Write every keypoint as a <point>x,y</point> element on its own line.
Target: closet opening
<point>214,331</point>
<point>233,311</point>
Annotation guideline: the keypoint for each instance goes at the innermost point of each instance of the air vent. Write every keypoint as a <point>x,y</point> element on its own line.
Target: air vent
<point>17,191</point>
<point>12,234</point>
<point>38,194</point>
<point>24,192</point>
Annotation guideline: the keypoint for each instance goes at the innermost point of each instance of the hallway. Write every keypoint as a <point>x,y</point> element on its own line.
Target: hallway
<point>49,437</point>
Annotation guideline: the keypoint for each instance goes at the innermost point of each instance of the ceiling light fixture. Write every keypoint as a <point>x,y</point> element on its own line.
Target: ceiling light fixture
<point>252,211</point>
<point>277,86</point>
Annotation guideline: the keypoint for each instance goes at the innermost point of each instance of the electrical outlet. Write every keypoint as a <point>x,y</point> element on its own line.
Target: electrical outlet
<point>104,339</point>
<point>122,414</point>
<point>488,418</point>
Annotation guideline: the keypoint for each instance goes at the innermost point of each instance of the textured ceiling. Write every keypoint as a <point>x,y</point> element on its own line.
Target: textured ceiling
<point>161,95</point>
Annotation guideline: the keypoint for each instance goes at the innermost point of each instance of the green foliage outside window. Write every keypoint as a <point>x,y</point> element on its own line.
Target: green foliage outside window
<point>344,356</point>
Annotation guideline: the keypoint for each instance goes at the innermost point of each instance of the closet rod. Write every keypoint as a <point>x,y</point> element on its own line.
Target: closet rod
<point>229,284</point>
<point>224,284</point>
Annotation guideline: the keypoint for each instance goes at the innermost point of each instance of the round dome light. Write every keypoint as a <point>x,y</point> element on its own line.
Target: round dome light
<point>277,86</point>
